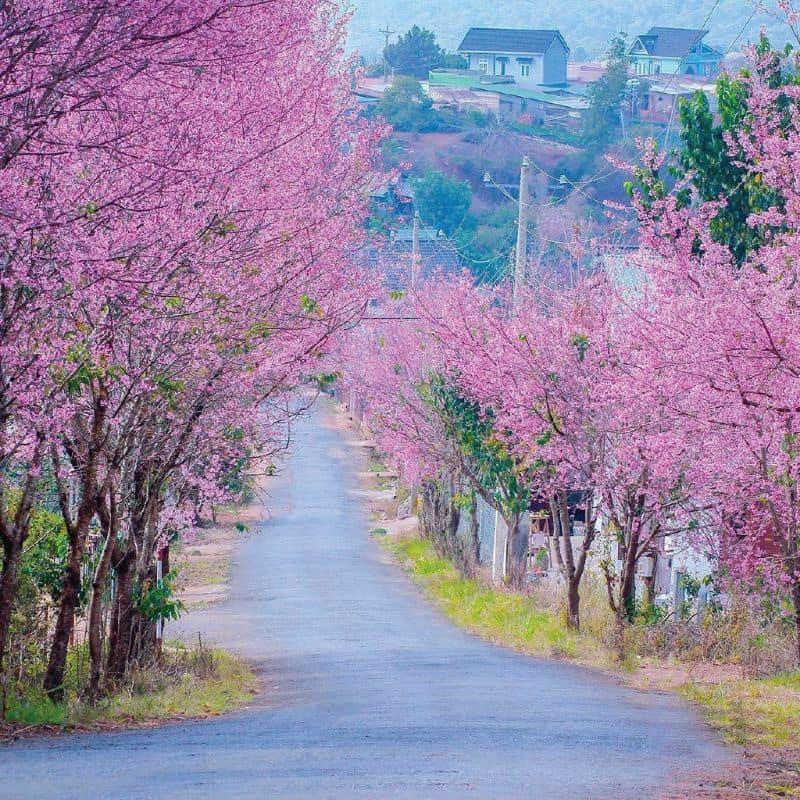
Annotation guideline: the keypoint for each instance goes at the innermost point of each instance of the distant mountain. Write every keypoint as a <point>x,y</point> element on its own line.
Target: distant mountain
<point>587,24</point>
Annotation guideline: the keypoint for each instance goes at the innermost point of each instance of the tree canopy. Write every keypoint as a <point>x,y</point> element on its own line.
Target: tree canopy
<point>443,202</point>
<point>415,53</point>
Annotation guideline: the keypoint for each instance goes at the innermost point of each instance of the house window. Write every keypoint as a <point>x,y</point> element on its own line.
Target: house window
<point>524,70</point>
<point>483,66</point>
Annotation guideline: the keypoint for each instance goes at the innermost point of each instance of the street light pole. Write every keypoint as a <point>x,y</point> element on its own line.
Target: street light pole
<point>522,230</point>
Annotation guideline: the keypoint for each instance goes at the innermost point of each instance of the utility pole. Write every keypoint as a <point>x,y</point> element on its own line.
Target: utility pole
<point>415,254</point>
<point>522,230</point>
<point>387,34</point>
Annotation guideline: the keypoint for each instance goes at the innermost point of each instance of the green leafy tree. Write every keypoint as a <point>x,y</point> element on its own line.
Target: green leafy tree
<point>713,170</point>
<point>605,96</point>
<point>709,167</point>
<point>415,53</point>
<point>487,463</point>
<point>486,240</point>
<point>443,202</point>
<point>406,107</point>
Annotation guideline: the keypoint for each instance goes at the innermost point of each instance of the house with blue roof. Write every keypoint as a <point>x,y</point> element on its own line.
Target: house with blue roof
<point>675,51</point>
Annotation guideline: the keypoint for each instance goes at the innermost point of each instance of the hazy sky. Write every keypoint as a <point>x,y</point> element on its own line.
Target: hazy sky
<point>584,23</point>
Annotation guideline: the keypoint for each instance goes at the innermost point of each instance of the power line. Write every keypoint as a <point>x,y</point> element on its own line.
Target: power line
<point>677,72</point>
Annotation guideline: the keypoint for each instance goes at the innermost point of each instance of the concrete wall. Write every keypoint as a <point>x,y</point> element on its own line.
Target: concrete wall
<point>466,99</point>
<point>514,66</point>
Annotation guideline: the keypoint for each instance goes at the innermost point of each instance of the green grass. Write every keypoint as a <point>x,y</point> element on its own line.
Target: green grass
<point>764,712</point>
<point>179,691</point>
<point>501,617</point>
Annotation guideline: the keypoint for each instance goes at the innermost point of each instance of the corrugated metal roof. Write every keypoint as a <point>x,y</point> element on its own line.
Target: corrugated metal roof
<point>508,40</point>
<point>572,102</point>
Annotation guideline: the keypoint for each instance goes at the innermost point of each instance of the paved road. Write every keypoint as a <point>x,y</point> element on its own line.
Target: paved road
<point>371,693</point>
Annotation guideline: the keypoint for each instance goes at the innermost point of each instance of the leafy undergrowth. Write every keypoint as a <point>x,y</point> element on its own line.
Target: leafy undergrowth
<point>187,685</point>
<point>501,617</point>
<point>762,712</point>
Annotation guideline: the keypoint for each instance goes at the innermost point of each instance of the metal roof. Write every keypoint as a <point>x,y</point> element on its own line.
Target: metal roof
<point>671,42</point>
<point>508,40</point>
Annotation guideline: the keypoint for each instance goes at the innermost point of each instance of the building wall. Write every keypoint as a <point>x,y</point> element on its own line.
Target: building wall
<point>555,63</point>
<point>514,66</point>
<point>540,113</point>
<point>692,65</point>
<point>646,65</point>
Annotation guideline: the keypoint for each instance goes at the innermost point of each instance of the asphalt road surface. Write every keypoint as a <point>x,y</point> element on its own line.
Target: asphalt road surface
<point>370,693</point>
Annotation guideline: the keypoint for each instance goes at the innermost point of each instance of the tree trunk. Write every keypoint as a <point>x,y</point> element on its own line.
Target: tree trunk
<point>626,606</point>
<point>65,621</point>
<point>517,560</point>
<point>571,572</point>
<point>99,579</point>
<point>12,551</point>
<point>573,605</point>
<point>119,640</point>
<point>475,530</point>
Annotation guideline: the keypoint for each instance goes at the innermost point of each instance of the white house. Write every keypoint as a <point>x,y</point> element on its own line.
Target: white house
<point>529,57</point>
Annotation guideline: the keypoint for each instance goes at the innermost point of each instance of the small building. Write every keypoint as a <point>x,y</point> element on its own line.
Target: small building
<point>559,106</point>
<point>394,197</point>
<point>529,57</point>
<point>675,51</point>
<point>659,101</point>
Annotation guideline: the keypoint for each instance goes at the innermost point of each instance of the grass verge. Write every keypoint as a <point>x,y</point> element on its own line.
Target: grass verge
<point>190,684</point>
<point>501,617</point>
<point>763,712</point>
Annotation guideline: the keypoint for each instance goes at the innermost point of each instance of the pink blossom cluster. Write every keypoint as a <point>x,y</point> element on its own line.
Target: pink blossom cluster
<point>182,185</point>
<point>676,405</point>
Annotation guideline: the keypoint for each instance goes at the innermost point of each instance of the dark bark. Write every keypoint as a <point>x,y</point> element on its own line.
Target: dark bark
<point>517,559</point>
<point>65,621</point>
<point>573,606</point>
<point>474,530</point>
<point>440,518</point>
<point>120,631</point>
<point>571,568</point>
<point>12,551</point>
<point>86,463</point>
<point>626,604</point>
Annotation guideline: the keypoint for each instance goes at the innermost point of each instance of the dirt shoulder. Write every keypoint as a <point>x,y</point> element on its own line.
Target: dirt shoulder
<point>203,562</point>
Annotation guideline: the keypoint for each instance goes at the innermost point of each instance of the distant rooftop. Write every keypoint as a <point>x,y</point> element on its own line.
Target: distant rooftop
<point>509,40</point>
<point>671,42</point>
<point>391,258</point>
<point>571,96</point>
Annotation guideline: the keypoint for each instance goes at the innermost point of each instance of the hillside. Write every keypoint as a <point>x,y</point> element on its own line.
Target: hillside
<point>587,24</point>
